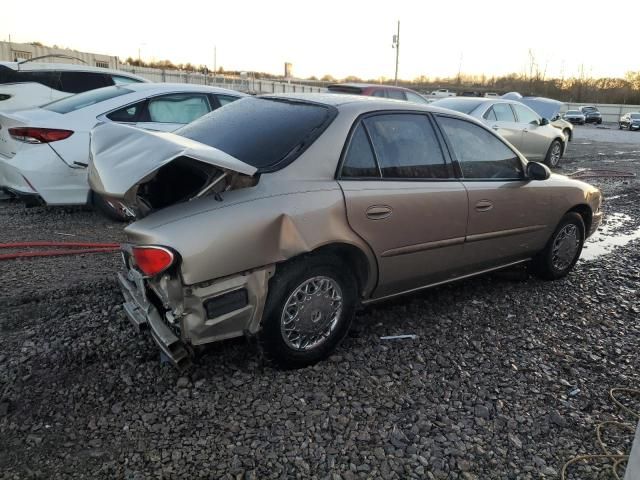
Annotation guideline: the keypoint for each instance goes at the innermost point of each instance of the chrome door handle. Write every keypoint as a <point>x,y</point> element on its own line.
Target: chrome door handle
<point>484,206</point>
<point>525,130</point>
<point>378,212</point>
<point>495,127</point>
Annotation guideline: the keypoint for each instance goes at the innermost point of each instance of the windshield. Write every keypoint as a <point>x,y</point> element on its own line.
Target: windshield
<point>635,115</point>
<point>267,133</point>
<point>573,112</point>
<point>459,105</point>
<point>86,99</point>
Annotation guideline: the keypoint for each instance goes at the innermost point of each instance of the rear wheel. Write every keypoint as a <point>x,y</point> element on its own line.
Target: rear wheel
<point>554,154</point>
<point>562,250</point>
<point>308,312</point>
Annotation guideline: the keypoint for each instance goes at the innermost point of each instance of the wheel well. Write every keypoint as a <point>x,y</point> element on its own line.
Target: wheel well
<point>352,256</point>
<point>585,212</point>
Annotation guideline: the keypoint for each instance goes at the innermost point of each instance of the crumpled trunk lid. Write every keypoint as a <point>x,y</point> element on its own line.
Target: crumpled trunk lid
<point>147,170</point>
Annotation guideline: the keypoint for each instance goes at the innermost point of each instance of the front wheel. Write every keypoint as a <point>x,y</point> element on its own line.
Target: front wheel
<point>554,154</point>
<point>309,310</point>
<point>619,126</point>
<point>562,250</point>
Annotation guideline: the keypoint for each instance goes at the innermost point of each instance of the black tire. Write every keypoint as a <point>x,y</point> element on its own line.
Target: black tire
<point>599,122</point>
<point>629,127</point>
<point>619,126</point>
<point>543,264</point>
<point>552,159</point>
<point>287,279</point>
<point>106,209</point>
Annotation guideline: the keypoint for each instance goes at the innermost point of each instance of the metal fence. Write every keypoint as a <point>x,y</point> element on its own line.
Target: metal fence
<point>246,84</point>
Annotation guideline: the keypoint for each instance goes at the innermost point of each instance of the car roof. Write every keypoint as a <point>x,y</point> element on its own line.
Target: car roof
<point>70,67</point>
<point>180,87</point>
<point>362,104</point>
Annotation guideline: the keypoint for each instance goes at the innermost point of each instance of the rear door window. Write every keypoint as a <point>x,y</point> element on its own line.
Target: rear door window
<point>490,115</point>
<point>414,97</point>
<point>178,108</point>
<point>503,112</point>
<point>360,161</point>
<point>49,79</point>
<point>396,94</point>
<point>78,82</point>
<point>481,155</point>
<point>224,99</point>
<point>129,114</point>
<point>406,147</point>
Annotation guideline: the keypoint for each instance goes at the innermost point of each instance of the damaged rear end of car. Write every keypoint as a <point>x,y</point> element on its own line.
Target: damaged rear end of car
<point>179,170</point>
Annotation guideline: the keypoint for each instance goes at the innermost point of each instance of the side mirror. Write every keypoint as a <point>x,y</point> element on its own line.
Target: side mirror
<point>543,122</point>
<point>537,171</point>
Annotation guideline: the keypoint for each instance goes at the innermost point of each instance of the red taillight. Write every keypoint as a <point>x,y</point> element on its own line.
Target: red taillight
<point>38,135</point>
<point>152,260</point>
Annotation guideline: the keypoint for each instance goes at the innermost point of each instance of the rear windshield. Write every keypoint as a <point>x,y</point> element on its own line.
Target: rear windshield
<point>267,133</point>
<point>462,106</point>
<point>86,99</point>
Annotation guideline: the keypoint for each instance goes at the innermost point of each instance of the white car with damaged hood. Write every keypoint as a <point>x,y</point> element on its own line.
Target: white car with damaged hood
<point>44,151</point>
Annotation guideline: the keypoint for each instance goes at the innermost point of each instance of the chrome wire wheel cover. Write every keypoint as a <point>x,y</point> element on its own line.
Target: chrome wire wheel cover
<point>311,313</point>
<point>565,247</point>
<point>556,151</point>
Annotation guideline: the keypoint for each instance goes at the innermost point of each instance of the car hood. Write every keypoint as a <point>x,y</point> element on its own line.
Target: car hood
<point>123,156</point>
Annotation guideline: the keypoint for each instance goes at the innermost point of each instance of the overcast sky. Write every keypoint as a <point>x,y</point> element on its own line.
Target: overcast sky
<point>346,37</point>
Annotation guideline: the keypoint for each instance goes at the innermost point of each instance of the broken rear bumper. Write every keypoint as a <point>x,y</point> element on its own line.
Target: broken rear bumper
<point>180,317</point>
<point>143,313</point>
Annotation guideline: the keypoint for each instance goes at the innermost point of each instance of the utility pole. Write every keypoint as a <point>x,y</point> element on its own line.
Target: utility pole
<point>396,45</point>
<point>215,59</point>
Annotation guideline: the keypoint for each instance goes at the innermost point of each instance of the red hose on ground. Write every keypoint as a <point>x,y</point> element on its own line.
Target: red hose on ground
<point>72,248</point>
<point>59,244</point>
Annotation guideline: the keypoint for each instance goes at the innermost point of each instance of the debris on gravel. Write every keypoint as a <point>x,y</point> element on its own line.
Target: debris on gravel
<point>483,391</point>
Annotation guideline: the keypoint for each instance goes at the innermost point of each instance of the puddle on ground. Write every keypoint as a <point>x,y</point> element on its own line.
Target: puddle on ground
<point>604,241</point>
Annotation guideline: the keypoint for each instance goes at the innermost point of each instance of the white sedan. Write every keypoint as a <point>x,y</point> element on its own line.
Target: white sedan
<point>44,152</point>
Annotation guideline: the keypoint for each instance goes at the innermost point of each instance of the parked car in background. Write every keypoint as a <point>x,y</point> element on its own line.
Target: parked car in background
<point>318,204</point>
<point>491,95</point>
<point>630,121</point>
<point>30,84</point>
<point>527,131</point>
<point>375,90</point>
<point>442,93</point>
<point>575,117</point>
<point>591,115</point>
<point>546,108</point>
<point>44,152</point>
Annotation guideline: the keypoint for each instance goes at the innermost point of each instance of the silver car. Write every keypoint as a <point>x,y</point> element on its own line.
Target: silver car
<point>531,134</point>
<point>278,216</point>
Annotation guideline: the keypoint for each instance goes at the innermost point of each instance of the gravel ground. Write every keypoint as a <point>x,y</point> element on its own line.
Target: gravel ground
<point>507,379</point>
